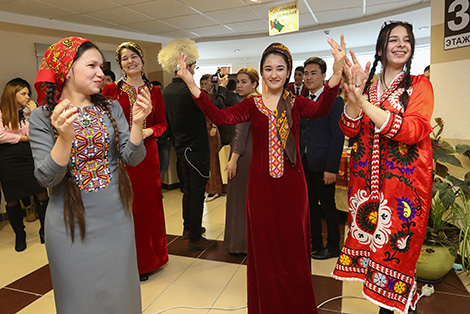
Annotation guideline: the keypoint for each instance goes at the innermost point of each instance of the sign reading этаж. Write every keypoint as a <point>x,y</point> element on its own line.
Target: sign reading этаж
<point>283,18</point>
<point>457,24</point>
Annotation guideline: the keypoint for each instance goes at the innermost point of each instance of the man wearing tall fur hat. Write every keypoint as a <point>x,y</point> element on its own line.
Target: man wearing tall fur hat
<point>188,128</point>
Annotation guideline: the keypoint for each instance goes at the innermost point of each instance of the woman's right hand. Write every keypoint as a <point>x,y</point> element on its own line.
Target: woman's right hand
<point>231,168</point>
<point>62,119</point>
<point>355,86</point>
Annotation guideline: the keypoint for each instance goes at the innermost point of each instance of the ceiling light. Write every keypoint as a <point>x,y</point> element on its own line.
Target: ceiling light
<point>238,50</point>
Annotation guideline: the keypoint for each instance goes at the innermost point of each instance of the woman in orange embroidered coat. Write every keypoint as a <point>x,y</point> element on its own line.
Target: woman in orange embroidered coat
<point>147,209</point>
<point>278,224</point>
<point>391,172</point>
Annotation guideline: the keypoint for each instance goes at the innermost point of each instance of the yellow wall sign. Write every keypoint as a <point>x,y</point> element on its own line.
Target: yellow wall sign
<point>283,18</point>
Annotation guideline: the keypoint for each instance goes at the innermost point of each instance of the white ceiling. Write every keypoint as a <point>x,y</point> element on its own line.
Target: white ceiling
<point>222,26</point>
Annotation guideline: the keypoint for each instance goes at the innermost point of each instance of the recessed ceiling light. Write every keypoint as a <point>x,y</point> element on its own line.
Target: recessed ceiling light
<point>238,50</point>
<point>423,28</point>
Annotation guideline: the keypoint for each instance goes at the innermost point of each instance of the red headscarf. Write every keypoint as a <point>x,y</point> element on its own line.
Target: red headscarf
<point>56,64</point>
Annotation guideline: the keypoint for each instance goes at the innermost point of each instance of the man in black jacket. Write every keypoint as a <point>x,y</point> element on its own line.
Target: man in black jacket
<point>324,145</point>
<point>189,133</point>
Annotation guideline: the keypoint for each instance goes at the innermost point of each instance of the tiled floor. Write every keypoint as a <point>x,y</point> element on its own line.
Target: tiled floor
<point>210,280</point>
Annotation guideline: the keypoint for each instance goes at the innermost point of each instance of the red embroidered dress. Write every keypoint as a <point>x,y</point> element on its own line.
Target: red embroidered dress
<point>278,224</point>
<point>389,194</point>
<point>147,209</point>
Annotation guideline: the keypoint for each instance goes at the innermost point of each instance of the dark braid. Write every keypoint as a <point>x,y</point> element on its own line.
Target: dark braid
<point>146,81</point>
<point>406,84</point>
<point>125,186</point>
<point>372,72</point>
<point>74,210</point>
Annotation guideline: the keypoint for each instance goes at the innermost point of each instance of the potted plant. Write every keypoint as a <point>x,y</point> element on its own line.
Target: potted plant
<point>448,231</point>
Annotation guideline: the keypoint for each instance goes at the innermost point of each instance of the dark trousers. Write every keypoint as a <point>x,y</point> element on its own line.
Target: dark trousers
<point>195,171</point>
<point>164,146</point>
<point>321,199</point>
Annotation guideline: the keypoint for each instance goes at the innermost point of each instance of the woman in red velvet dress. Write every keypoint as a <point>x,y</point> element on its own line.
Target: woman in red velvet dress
<point>149,219</point>
<point>278,225</point>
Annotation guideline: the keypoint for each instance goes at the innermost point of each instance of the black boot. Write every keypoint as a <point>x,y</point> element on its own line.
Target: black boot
<point>41,209</point>
<point>15,216</point>
<point>385,311</point>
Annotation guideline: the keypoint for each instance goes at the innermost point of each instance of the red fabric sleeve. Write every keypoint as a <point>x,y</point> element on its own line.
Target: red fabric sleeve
<point>312,109</point>
<point>415,124</point>
<point>228,116</point>
<point>156,120</point>
<point>350,127</point>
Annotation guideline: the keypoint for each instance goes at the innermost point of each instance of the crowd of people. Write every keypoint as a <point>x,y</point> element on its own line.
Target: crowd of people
<point>87,160</point>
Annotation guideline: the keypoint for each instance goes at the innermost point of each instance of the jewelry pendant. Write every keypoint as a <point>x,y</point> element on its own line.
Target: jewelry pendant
<point>85,123</point>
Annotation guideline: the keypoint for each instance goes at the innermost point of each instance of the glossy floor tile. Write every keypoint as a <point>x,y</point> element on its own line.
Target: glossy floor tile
<point>204,282</point>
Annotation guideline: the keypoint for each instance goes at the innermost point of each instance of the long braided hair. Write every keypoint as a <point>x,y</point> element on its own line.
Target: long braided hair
<point>74,209</point>
<point>381,55</point>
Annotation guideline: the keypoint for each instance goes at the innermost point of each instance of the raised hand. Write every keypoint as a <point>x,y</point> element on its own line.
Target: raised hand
<point>223,81</point>
<point>364,74</point>
<point>183,72</point>
<point>142,106</point>
<point>355,86</point>
<point>62,119</point>
<point>339,53</point>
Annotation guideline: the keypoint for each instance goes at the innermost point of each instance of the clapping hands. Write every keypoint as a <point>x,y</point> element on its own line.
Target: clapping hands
<point>142,106</point>
<point>357,79</point>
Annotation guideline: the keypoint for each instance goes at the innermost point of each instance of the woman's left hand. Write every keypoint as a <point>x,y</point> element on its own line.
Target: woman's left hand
<point>142,107</point>
<point>356,85</point>
<point>147,132</point>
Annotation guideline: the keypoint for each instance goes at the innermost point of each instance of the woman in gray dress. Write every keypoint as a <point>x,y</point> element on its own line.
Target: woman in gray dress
<point>238,168</point>
<point>80,141</point>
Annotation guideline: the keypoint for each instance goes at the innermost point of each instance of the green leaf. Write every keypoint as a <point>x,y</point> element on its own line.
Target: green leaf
<point>443,156</point>
<point>445,146</point>
<point>463,149</point>
<point>459,183</point>
<point>441,170</point>
<point>447,196</point>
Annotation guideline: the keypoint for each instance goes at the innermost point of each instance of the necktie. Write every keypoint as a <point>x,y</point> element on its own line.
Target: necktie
<point>312,96</point>
<point>297,91</point>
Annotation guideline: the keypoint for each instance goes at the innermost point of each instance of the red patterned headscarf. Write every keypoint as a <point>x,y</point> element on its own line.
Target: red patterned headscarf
<point>55,65</point>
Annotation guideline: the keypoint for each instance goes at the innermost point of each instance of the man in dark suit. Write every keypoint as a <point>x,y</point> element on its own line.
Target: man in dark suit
<point>298,88</point>
<point>324,145</point>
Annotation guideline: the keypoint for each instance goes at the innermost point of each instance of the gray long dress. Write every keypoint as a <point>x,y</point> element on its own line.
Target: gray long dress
<point>99,274</point>
<point>235,216</point>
